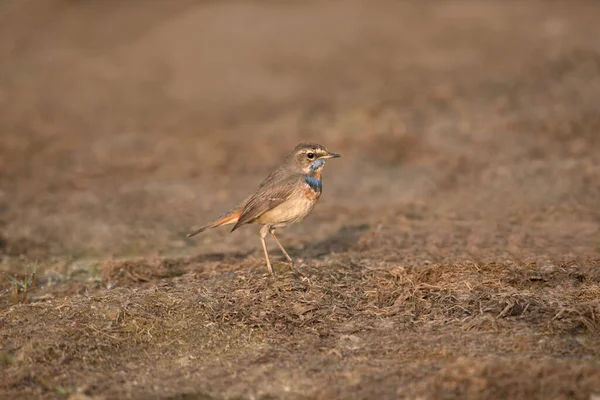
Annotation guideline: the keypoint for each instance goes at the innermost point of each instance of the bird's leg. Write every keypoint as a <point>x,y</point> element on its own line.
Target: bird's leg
<point>263,234</point>
<point>285,253</point>
<point>272,232</point>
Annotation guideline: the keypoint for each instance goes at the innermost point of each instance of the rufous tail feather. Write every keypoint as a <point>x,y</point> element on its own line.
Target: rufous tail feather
<point>229,218</point>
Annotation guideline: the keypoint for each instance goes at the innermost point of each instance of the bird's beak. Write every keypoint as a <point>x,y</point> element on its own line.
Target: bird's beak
<point>332,155</point>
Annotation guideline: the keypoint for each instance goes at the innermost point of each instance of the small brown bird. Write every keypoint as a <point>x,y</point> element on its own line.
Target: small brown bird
<point>284,198</point>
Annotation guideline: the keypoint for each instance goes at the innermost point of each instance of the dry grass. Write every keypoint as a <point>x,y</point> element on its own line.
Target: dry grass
<point>346,315</point>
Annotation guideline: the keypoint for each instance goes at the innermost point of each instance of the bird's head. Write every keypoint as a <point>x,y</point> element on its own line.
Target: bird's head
<point>310,158</point>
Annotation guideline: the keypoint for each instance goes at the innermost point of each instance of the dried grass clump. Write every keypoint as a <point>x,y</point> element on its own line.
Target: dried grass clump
<point>131,272</point>
<point>496,377</point>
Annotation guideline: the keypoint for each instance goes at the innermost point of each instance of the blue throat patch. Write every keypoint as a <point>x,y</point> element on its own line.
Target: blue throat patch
<point>314,183</point>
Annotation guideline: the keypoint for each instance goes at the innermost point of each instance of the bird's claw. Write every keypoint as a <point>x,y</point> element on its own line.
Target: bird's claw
<point>295,269</point>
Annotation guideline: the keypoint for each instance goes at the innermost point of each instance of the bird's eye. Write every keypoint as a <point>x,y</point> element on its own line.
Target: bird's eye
<point>310,155</point>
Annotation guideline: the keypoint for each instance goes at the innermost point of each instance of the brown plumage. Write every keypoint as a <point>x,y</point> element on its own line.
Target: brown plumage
<point>285,197</point>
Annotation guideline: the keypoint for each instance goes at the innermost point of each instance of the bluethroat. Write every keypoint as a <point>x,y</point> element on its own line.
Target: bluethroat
<point>284,198</point>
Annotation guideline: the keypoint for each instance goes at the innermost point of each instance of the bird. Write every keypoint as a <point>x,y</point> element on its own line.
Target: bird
<point>284,198</point>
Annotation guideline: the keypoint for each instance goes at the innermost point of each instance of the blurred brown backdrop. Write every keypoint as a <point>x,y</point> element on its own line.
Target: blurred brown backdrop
<point>125,123</point>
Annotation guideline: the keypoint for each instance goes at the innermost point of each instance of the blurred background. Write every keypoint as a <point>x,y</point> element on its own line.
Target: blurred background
<point>467,129</point>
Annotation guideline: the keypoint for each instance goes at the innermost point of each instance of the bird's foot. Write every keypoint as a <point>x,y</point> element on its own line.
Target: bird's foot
<point>303,276</point>
<point>293,267</point>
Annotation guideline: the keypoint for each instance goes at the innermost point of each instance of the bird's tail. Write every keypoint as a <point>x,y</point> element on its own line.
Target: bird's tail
<point>231,217</point>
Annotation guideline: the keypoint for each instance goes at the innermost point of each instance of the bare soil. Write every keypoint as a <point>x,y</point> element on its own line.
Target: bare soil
<point>455,252</point>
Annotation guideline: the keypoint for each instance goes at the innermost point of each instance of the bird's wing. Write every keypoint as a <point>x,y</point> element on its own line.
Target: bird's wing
<point>267,197</point>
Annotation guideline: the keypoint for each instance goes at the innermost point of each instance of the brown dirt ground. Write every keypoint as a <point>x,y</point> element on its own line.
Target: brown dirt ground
<point>455,253</point>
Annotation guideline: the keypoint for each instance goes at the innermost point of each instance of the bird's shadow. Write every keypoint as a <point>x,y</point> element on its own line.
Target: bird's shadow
<point>341,241</point>
<point>229,257</point>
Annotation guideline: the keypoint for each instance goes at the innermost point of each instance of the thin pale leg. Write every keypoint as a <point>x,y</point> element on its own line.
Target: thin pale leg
<point>263,234</point>
<point>285,253</point>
